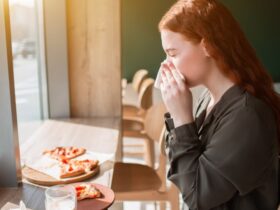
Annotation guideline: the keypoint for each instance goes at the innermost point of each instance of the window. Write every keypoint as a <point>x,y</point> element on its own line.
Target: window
<point>29,68</point>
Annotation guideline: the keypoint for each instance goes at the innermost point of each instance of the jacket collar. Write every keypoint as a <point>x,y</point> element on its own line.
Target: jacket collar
<point>232,94</point>
<point>227,99</point>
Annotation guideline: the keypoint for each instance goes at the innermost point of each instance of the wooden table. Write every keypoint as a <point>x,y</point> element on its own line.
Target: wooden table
<point>98,135</point>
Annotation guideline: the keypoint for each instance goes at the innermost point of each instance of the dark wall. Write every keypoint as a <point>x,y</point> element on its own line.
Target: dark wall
<point>141,44</point>
<point>260,20</point>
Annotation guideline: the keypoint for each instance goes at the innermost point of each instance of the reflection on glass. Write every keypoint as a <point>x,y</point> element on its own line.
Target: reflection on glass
<point>61,197</point>
<point>25,45</point>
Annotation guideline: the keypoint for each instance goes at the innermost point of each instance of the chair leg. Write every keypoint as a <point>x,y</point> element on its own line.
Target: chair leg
<point>174,197</point>
<point>149,153</point>
<point>175,204</point>
<point>162,205</point>
<point>155,205</point>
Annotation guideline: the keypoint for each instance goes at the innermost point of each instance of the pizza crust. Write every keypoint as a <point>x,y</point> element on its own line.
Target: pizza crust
<point>69,170</point>
<point>87,164</point>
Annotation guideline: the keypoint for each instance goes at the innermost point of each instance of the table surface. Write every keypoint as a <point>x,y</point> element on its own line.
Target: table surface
<point>95,134</point>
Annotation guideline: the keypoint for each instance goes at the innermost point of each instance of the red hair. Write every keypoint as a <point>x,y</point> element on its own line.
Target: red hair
<point>226,43</point>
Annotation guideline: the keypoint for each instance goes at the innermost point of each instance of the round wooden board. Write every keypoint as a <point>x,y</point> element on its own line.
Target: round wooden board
<point>40,178</point>
<point>98,203</point>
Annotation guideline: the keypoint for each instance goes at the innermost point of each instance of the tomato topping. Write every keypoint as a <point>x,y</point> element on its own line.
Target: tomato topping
<point>78,188</point>
<point>64,161</point>
<point>70,168</point>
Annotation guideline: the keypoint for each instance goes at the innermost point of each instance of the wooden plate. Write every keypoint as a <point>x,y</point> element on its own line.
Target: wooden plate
<point>98,203</point>
<point>40,178</point>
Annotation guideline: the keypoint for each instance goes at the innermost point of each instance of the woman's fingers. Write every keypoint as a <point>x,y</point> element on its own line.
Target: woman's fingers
<point>164,81</point>
<point>164,86</point>
<point>178,78</point>
<point>169,75</point>
<point>171,79</point>
<point>171,65</point>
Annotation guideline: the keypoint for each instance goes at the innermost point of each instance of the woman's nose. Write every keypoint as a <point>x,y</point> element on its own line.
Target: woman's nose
<point>167,59</point>
<point>169,62</point>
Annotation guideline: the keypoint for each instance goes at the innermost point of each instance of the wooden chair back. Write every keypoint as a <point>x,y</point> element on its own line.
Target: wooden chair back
<point>145,97</point>
<point>155,130</point>
<point>154,121</point>
<point>138,79</point>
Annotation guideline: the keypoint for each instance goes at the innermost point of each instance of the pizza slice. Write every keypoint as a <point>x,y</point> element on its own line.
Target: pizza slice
<point>87,164</point>
<point>68,170</point>
<point>87,190</point>
<point>72,152</point>
<point>60,153</point>
<point>56,153</point>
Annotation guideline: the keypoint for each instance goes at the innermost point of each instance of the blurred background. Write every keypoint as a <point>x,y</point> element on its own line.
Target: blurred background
<point>141,45</point>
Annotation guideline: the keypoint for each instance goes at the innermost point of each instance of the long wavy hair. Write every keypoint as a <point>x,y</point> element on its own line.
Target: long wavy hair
<point>226,43</point>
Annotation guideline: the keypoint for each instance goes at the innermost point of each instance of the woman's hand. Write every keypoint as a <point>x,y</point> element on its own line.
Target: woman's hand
<point>176,95</point>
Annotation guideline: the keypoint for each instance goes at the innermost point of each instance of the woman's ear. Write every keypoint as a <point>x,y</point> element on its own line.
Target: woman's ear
<point>204,47</point>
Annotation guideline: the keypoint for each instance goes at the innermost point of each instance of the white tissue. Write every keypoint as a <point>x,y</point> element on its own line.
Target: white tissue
<point>158,80</point>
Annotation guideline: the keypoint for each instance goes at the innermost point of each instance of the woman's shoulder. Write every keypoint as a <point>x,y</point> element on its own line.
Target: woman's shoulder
<point>251,116</point>
<point>239,100</point>
<point>258,106</point>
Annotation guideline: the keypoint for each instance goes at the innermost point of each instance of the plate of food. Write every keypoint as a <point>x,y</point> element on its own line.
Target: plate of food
<point>61,165</point>
<point>93,196</point>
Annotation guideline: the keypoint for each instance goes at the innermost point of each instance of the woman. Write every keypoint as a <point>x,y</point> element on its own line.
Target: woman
<point>226,157</point>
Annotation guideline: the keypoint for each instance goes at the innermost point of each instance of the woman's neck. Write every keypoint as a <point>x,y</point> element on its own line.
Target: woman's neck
<point>217,83</point>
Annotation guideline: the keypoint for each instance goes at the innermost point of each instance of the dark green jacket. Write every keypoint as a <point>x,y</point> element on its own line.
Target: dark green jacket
<point>229,161</point>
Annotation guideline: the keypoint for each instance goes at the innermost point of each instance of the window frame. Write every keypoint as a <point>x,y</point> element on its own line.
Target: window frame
<point>52,23</point>
<point>56,55</point>
<point>10,174</point>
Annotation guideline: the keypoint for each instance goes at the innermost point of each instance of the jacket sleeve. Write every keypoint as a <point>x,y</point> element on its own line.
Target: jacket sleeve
<point>235,160</point>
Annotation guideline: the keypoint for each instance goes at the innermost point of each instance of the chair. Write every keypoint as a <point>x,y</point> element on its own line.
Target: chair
<point>142,182</point>
<point>138,78</point>
<point>133,118</point>
<point>145,101</point>
<point>132,89</point>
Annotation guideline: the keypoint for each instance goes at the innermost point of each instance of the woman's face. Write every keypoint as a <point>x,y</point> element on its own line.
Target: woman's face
<point>190,59</point>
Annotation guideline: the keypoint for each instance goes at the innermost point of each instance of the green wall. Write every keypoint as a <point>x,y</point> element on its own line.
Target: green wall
<point>260,20</point>
<point>141,44</point>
